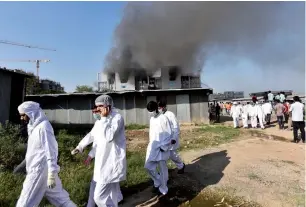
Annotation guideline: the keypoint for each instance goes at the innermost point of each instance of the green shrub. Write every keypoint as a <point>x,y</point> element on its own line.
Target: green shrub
<point>66,143</point>
<point>11,147</point>
<point>74,174</point>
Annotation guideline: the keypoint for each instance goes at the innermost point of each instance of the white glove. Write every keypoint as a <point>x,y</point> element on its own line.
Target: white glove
<point>76,151</point>
<point>51,180</point>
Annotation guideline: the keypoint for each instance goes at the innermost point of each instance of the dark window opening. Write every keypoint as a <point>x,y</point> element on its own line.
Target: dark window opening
<point>173,73</point>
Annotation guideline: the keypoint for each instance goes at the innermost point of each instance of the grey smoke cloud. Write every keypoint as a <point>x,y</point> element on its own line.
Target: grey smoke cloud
<point>155,34</point>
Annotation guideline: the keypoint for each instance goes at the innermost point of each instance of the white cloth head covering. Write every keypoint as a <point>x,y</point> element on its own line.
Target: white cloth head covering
<point>34,112</point>
<point>104,100</point>
<point>235,103</point>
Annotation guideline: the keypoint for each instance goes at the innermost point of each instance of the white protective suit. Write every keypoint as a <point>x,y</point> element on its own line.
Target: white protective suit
<point>252,111</point>
<point>175,136</point>
<point>109,150</point>
<point>87,140</point>
<point>235,113</point>
<point>160,135</point>
<point>244,115</point>
<point>267,108</point>
<point>41,161</point>
<point>261,116</point>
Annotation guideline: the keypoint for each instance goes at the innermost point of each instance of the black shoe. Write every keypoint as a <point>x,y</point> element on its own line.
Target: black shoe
<point>181,171</point>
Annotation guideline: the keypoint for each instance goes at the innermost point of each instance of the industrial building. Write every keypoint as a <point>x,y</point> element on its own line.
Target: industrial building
<point>12,93</point>
<point>189,105</point>
<point>139,79</point>
<point>262,93</point>
<point>227,95</point>
<point>131,91</point>
<point>49,85</point>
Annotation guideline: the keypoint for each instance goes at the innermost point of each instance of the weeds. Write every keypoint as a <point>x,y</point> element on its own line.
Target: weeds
<point>74,174</point>
<point>207,136</point>
<point>135,127</point>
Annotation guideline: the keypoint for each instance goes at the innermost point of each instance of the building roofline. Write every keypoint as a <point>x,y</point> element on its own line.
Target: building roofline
<point>15,72</point>
<point>120,92</point>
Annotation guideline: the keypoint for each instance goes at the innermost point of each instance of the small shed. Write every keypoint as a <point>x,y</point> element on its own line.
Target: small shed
<point>12,93</point>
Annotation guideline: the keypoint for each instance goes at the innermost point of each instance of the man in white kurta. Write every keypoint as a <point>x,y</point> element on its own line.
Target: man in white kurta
<point>158,152</point>
<point>162,108</point>
<point>109,150</point>
<point>41,161</point>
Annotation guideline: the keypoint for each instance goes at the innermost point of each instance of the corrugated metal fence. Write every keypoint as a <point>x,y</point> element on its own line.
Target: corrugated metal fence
<point>188,105</point>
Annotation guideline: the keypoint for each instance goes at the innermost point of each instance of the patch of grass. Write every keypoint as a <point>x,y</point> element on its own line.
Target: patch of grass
<point>208,135</point>
<point>261,134</point>
<point>75,175</point>
<point>288,162</point>
<point>135,127</point>
<point>279,163</point>
<point>253,176</point>
<point>218,197</point>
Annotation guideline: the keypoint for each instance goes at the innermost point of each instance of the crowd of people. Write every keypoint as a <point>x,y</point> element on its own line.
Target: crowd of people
<point>108,151</point>
<point>289,112</point>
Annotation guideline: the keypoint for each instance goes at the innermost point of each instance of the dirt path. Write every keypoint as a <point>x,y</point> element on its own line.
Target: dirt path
<point>265,171</point>
<point>268,172</point>
<point>270,130</point>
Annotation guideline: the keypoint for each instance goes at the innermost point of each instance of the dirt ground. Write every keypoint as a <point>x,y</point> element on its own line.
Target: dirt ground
<point>266,171</point>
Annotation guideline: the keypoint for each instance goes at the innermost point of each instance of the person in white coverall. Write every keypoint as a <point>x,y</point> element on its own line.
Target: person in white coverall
<point>41,161</point>
<point>162,108</point>
<point>160,135</point>
<point>244,115</point>
<point>235,113</point>
<point>87,140</point>
<point>260,115</point>
<point>252,111</point>
<point>109,150</point>
<point>267,110</point>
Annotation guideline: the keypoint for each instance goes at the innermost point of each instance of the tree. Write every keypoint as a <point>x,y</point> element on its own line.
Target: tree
<point>34,87</point>
<point>83,89</point>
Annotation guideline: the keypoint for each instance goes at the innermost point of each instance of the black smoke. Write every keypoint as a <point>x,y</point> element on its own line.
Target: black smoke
<point>157,34</point>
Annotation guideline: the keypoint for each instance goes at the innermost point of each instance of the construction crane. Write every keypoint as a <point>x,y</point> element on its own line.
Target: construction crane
<point>24,45</point>
<point>32,61</point>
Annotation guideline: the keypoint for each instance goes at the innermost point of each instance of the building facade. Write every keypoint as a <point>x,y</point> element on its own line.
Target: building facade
<point>189,105</point>
<point>227,95</point>
<point>12,93</point>
<point>162,78</point>
<point>49,85</point>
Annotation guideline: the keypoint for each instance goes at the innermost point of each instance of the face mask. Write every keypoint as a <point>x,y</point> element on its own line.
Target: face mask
<point>97,116</point>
